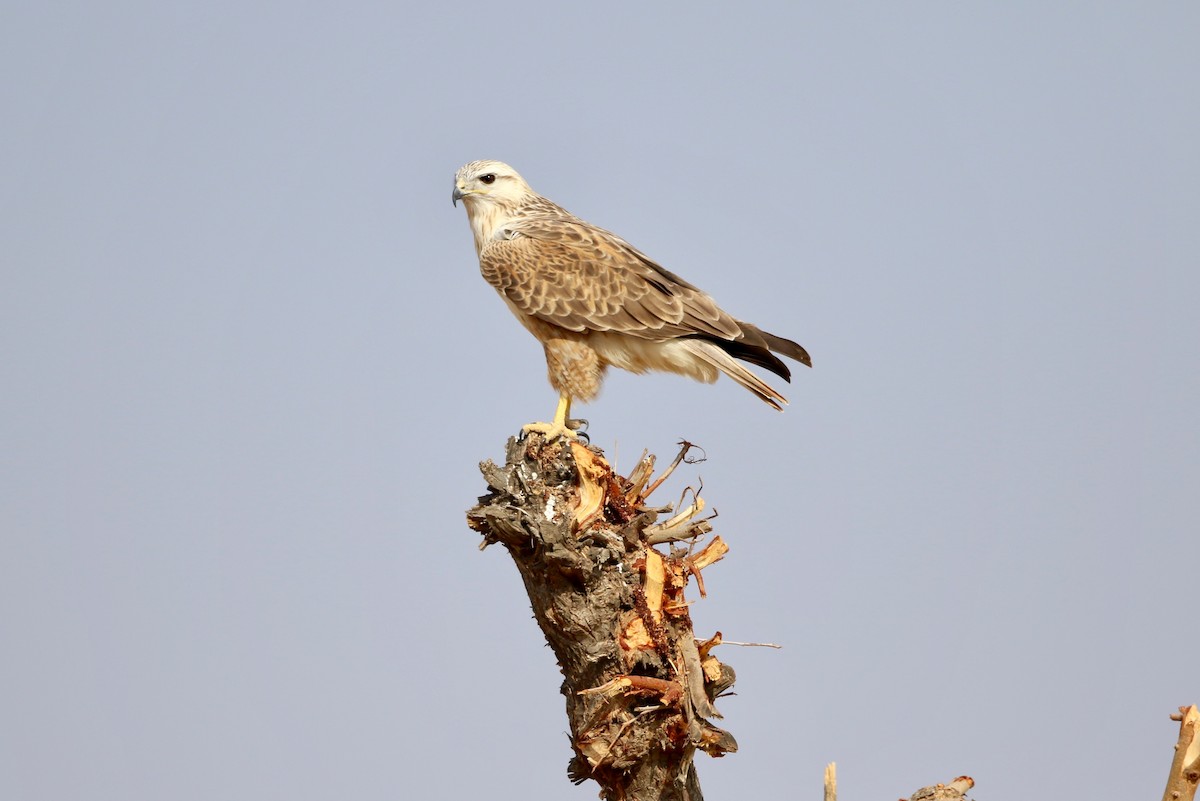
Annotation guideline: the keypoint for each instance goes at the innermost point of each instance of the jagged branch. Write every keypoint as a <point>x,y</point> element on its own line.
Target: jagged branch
<point>1185,766</point>
<point>639,687</point>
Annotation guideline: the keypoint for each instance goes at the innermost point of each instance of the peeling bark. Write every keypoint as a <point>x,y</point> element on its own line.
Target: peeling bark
<point>607,589</point>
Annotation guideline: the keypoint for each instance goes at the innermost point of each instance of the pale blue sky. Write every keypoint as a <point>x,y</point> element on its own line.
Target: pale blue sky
<point>250,368</point>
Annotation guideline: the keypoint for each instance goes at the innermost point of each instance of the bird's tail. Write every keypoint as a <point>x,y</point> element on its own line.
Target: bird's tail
<point>718,358</point>
<point>787,347</point>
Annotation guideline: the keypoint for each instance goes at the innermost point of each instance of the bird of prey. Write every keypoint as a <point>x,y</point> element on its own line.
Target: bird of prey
<point>593,300</point>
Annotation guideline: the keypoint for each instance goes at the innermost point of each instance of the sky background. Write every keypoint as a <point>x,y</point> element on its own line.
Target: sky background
<point>249,369</point>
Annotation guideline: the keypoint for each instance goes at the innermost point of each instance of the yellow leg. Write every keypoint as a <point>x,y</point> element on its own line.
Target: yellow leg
<point>563,411</point>
<point>557,428</point>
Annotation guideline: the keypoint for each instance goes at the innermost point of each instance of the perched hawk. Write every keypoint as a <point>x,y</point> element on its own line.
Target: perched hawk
<point>594,300</point>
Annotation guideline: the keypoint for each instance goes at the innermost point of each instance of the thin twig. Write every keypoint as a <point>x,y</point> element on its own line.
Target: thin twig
<point>685,446</point>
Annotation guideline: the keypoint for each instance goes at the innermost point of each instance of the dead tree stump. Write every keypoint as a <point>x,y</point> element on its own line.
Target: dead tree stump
<point>606,582</point>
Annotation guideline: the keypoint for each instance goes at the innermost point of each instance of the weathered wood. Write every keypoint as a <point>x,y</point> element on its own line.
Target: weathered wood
<point>952,791</point>
<point>1185,766</point>
<point>639,687</point>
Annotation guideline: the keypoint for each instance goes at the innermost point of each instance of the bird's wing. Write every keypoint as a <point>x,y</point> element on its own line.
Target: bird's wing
<point>571,274</point>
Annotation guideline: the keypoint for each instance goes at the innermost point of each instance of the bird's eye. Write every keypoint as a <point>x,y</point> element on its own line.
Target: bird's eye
<point>490,178</point>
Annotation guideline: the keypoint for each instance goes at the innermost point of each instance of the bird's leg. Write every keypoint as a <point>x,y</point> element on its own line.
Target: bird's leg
<point>575,424</point>
<point>557,428</point>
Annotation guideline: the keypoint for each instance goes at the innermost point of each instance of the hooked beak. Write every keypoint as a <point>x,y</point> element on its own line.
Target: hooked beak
<point>456,195</point>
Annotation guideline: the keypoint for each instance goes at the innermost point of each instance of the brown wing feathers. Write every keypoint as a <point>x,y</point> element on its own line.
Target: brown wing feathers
<point>568,273</point>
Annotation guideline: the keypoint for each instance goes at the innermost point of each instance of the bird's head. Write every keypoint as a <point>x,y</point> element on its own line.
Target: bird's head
<point>488,182</point>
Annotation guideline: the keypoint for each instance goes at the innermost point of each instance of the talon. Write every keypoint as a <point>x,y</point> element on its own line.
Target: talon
<point>551,431</point>
<point>561,427</point>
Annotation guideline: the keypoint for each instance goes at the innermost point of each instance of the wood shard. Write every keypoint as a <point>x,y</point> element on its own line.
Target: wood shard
<point>713,552</point>
<point>707,645</point>
<point>669,691</point>
<point>592,472</point>
<point>634,635</point>
<point>654,583</point>
<point>638,478</point>
<point>676,527</point>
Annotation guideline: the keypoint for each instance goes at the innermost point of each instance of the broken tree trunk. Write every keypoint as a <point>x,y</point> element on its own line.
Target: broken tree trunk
<point>606,583</point>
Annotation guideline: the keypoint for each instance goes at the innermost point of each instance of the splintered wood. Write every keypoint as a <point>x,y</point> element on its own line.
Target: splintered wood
<point>608,584</point>
<point>952,791</point>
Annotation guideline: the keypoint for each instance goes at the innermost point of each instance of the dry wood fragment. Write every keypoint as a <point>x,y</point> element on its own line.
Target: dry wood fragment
<point>640,689</point>
<point>953,791</point>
